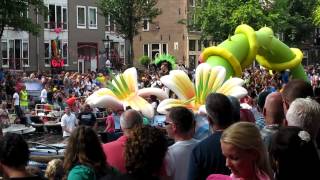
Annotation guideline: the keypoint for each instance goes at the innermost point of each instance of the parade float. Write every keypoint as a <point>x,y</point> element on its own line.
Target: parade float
<point>123,92</point>
<point>240,50</point>
<point>221,66</point>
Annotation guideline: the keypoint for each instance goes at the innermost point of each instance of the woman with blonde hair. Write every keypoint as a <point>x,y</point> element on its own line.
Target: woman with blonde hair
<point>245,153</point>
<point>54,170</point>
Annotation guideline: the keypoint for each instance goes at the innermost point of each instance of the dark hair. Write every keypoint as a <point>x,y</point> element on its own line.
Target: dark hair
<point>183,118</point>
<point>292,157</point>
<point>14,150</point>
<point>145,150</point>
<point>297,88</point>
<point>235,108</point>
<point>85,148</point>
<point>219,109</point>
<point>262,99</point>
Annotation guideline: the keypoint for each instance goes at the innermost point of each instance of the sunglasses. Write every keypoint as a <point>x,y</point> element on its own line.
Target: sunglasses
<point>167,123</point>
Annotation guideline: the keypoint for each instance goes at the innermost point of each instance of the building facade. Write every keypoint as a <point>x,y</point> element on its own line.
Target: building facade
<point>78,31</point>
<point>169,33</point>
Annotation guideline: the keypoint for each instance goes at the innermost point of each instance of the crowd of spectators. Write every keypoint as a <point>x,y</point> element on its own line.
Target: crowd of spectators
<point>257,137</point>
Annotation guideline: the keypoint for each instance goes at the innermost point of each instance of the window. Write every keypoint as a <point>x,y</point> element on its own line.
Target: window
<point>25,53</point>
<point>199,45</point>
<point>164,48</point>
<point>192,61</point>
<point>4,49</point>
<point>65,52</point>
<point>145,25</point>
<point>122,51</point>
<point>15,53</point>
<point>64,18</point>
<point>81,17</point>
<point>92,16</point>
<point>52,16</point>
<point>192,3</point>
<point>146,50</point>
<point>47,54</point>
<point>110,25</point>
<point>192,45</point>
<point>155,49</point>
<point>57,17</point>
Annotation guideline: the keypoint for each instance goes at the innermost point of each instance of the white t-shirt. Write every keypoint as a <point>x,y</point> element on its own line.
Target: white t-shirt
<point>16,99</point>
<point>178,158</point>
<point>43,96</point>
<point>69,122</point>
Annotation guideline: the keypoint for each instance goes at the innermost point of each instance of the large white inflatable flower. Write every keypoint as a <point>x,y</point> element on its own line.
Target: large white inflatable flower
<point>208,80</point>
<point>123,91</point>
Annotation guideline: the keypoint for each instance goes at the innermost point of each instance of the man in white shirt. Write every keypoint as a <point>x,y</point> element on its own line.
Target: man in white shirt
<point>43,94</point>
<point>68,122</point>
<point>180,125</point>
<point>16,103</point>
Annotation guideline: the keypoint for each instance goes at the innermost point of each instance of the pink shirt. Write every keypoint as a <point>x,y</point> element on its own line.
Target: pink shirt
<point>114,152</point>
<point>110,121</point>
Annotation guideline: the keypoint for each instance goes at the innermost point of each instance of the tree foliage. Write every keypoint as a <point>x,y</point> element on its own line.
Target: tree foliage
<point>128,15</point>
<point>144,60</point>
<point>219,18</point>
<point>13,13</point>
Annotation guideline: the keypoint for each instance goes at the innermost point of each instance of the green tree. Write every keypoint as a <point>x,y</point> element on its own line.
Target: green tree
<point>218,18</point>
<point>300,26</point>
<point>145,60</point>
<point>128,16</point>
<point>14,14</point>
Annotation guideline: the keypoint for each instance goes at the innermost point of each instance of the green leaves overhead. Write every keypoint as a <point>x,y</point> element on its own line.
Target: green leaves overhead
<point>218,18</point>
<point>128,14</point>
<point>14,13</point>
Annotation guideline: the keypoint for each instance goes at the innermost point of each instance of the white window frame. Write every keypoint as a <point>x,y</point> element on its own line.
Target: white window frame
<point>66,63</point>
<point>47,23</point>
<point>82,26</point>
<point>92,26</point>
<point>5,65</point>
<point>148,24</point>
<point>22,57</point>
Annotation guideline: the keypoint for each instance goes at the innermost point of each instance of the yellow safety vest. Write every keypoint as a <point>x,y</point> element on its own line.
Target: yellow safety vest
<point>24,98</point>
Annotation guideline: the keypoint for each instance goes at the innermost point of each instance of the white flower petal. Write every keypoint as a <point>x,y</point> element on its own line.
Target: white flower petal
<point>167,104</point>
<point>179,82</point>
<point>131,76</point>
<point>146,92</point>
<point>140,104</point>
<point>106,101</point>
